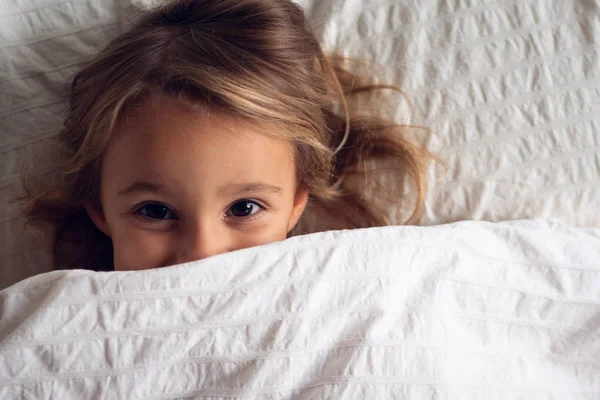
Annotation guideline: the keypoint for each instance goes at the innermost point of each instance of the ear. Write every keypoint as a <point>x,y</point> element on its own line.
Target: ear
<point>300,200</point>
<point>97,217</point>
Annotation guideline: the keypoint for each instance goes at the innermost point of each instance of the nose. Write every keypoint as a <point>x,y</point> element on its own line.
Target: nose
<point>201,242</point>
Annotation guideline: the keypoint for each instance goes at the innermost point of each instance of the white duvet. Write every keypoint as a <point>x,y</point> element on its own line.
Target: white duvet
<point>465,311</point>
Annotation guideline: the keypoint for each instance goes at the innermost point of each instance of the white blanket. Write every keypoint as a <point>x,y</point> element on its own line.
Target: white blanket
<point>466,311</point>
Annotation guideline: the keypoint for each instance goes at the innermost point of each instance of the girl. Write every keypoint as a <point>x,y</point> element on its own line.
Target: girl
<point>209,127</point>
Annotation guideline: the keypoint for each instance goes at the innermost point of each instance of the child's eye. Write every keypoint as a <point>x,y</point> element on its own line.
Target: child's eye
<point>243,209</point>
<point>156,211</point>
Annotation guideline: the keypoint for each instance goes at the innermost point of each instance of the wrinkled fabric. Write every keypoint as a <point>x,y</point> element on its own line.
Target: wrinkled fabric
<point>471,310</point>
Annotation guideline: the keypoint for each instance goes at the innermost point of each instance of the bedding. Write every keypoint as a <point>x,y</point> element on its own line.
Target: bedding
<point>471,310</point>
<point>509,89</point>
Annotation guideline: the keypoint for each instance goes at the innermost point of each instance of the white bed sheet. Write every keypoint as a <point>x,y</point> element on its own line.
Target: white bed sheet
<point>510,89</point>
<point>472,310</point>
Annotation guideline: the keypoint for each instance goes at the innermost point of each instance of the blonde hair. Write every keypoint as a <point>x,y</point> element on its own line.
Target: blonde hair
<point>256,59</point>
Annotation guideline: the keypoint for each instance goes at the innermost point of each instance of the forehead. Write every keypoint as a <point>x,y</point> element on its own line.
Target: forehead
<point>164,138</point>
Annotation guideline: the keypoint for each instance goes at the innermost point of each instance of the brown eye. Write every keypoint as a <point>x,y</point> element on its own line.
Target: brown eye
<point>156,211</point>
<point>244,208</point>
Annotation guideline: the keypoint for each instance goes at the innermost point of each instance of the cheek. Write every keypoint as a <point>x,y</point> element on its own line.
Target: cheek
<point>265,231</point>
<point>136,249</point>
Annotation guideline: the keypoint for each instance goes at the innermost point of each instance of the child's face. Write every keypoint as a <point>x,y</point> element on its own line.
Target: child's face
<point>179,186</point>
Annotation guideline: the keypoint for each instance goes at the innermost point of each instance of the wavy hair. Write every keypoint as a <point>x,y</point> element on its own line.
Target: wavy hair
<point>256,59</point>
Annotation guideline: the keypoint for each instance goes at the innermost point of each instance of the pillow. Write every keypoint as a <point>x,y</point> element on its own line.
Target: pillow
<point>509,90</point>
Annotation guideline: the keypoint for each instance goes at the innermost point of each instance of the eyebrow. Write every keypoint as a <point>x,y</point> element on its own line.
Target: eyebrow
<point>232,190</point>
<point>242,188</point>
<point>140,186</point>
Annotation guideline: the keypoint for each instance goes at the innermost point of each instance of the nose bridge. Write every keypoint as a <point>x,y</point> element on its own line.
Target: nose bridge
<point>202,239</point>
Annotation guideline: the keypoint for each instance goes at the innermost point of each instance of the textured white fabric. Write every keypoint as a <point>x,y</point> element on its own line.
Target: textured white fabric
<point>472,310</point>
<point>509,88</point>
